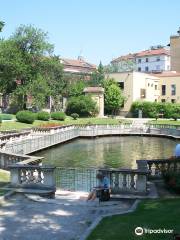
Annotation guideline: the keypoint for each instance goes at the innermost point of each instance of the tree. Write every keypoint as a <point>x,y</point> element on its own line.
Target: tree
<point>98,76</point>
<point>1,25</point>
<point>76,88</point>
<point>25,59</point>
<point>113,97</point>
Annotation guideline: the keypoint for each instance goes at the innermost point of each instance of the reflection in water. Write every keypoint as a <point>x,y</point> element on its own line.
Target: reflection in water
<point>113,152</point>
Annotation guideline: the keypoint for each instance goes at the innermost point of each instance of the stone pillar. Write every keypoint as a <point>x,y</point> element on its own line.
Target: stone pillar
<point>48,173</point>
<point>15,176</point>
<point>142,165</point>
<point>141,183</point>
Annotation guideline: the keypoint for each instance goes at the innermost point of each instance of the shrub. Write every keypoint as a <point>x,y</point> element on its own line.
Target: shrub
<point>0,119</point>
<point>25,117</point>
<point>82,105</point>
<point>44,116</point>
<point>6,116</point>
<point>172,181</point>
<point>58,116</point>
<point>152,109</point>
<point>175,116</point>
<point>75,116</point>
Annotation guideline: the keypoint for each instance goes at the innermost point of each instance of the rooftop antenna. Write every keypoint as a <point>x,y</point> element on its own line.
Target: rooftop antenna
<point>80,57</point>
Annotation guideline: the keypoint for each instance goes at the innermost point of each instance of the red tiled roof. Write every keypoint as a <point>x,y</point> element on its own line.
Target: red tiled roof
<point>77,63</point>
<point>168,74</point>
<point>161,51</point>
<point>129,56</point>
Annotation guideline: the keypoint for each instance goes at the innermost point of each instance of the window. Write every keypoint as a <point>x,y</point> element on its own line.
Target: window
<point>121,85</point>
<point>173,89</point>
<point>147,60</point>
<point>173,100</point>
<point>163,90</point>
<point>146,69</point>
<point>148,84</point>
<point>139,60</point>
<point>158,59</point>
<point>142,93</point>
<point>139,69</point>
<point>155,87</point>
<point>163,100</point>
<point>157,67</point>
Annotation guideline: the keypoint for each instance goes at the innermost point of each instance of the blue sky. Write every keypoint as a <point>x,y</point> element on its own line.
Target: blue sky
<point>100,29</point>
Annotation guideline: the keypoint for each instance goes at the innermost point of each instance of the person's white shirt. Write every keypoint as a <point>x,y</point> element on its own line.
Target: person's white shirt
<point>177,150</point>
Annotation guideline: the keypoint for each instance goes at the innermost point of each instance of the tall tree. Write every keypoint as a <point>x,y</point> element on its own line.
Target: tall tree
<point>98,76</point>
<point>1,25</point>
<point>26,59</point>
<point>113,97</point>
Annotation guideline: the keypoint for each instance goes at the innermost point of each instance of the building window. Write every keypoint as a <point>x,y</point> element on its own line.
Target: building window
<point>148,84</point>
<point>121,85</point>
<point>173,89</point>
<point>157,67</point>
<point>139,69</point>
<point>152,85</point>
<point>173,100</point>
<point>158,59</point>
<point>139,60</point>
<point>146,69</point>
<point>147,60</point>
<point>163,90</point>
<point>142,93</point>
<point>155,87</point>
<point>163,100</point>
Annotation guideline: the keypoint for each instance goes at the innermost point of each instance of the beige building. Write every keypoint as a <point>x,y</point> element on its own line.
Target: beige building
<point>97,94</point>
<point>175,51</point>
<point>137,86</point>
<point>169,86</point>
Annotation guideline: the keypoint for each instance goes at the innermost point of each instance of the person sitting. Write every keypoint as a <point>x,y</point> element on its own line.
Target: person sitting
<point>177,151</point>
<point>103,185</point>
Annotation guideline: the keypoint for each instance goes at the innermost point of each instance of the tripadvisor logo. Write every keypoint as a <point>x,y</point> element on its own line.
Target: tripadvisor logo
<point>140,231</point>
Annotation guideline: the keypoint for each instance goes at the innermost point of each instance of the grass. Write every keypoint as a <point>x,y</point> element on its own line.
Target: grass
<point>152,214</point>
<point>68,120</point>
<point>164,121</point>
<point>4,179</point>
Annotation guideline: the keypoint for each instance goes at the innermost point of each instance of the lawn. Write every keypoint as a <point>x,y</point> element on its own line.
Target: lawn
<point>68,120</point>
<point>4,179</point>
<point>152,214</point>
<point>164,121</point>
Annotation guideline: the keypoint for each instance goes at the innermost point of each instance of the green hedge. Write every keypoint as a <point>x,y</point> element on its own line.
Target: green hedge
<point>6,116</point>
<point>25,117</point>
<point>58,116</point>
<point>172,181</point>
<point>153,109</point>
<point>44,116</point>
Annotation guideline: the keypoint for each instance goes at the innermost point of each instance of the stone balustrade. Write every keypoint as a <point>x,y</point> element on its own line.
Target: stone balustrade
<point>7,159</point>
<point>36,179</point>
<point>158,166</point>
<point>127,180</point>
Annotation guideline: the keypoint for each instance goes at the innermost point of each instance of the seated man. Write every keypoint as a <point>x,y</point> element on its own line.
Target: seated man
<point>177,151</point>
<point>103,185</point>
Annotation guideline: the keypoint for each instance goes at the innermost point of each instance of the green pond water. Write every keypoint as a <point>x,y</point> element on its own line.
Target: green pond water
<point>112,152</point>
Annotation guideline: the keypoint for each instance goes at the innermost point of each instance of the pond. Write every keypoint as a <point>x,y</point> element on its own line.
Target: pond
<point>115,151</point>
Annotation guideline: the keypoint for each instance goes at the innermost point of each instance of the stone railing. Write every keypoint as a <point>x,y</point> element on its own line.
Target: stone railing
<point>50,130</point>
<point>127,180</point>
<point>35,178</point>
<point>7,159</point>
<point>158,166</point>
<point>10,137</point>
<point>130,181</point>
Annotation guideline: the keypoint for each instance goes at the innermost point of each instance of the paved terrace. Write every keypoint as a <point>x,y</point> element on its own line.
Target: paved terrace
<point>67,217</point>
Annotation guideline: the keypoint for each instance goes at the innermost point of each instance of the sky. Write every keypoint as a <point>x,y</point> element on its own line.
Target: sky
<point>100,30</point>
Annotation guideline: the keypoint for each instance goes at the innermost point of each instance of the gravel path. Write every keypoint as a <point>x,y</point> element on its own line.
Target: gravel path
<point>66,217</point>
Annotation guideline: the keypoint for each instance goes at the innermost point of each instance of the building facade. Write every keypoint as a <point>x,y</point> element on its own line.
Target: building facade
<point>152,61</point>
<point>148,61</point>
<point>175,51</point>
